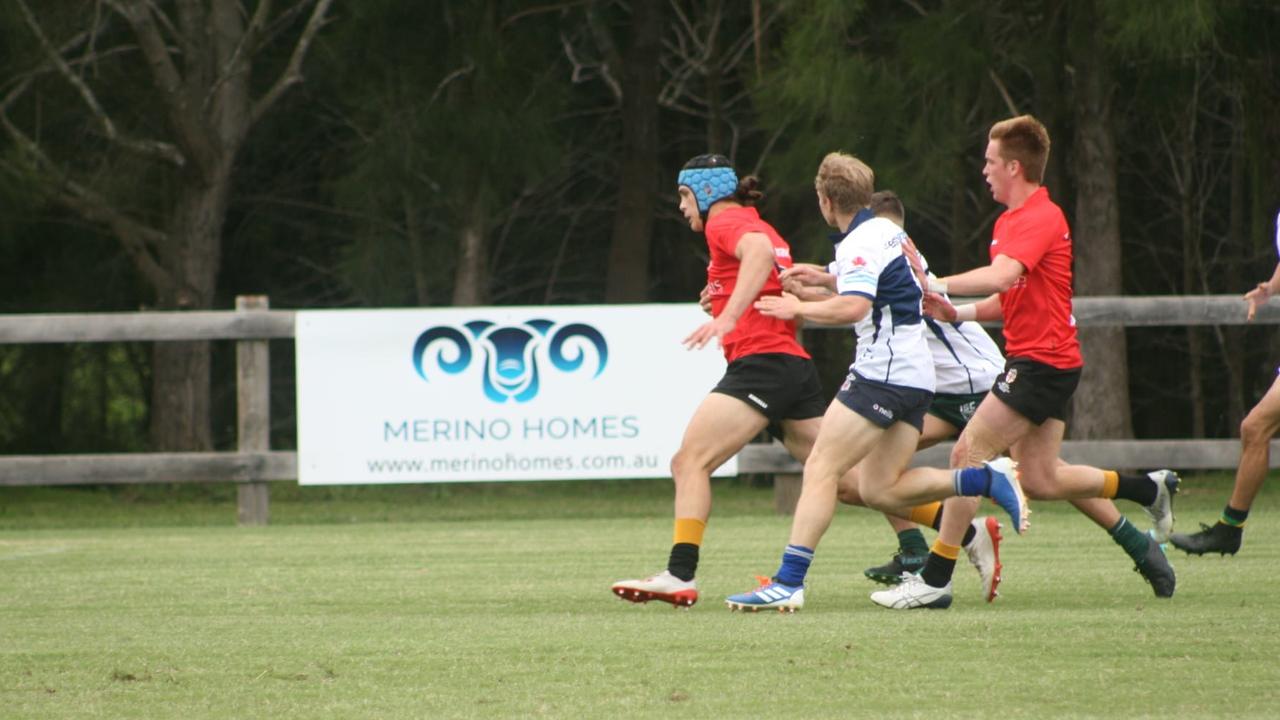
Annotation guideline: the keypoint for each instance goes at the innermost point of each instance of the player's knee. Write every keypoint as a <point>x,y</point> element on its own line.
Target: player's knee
<point>849,493</point>
<point>1038,483</point>
<point>683,464</point>
<point>881,500</point>
<point>1256,429</point>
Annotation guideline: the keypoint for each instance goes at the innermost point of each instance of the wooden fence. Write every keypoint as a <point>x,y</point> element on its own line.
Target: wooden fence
<point>253,464</point>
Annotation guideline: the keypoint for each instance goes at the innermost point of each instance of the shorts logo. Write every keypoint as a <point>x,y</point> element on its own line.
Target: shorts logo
<point>1003,386</point>
<point>882,410</point>
<point>967,410</point>
<point>511,353</point>
<point>758,401</point>
<point>1010,376</point>
<point>859,261</point>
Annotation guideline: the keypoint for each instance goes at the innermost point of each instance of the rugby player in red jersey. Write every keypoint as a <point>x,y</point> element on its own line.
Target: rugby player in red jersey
<point>1030,276</point>
<point>770,382</point>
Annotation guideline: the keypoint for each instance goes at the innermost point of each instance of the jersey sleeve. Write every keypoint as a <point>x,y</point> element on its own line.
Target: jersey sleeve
<point>857,268</point>
<point>1027,242</point>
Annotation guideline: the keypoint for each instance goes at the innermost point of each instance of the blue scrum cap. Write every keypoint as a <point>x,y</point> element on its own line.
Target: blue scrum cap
<point>710,178</point>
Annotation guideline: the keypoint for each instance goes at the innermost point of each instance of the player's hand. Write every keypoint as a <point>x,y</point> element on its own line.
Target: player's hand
<point>704,299</point>
<point>1257,296</point>
<point>784,307</point>
<point>792,284</point>
<point>936,306</point>
<point>717,328</point>
<point>805,274</point>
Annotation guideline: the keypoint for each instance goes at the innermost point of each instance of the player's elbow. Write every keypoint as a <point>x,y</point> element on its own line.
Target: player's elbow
<point>1005,281</point>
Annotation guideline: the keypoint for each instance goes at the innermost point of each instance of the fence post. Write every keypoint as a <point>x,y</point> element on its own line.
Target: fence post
<point>786,492</point>
<point>253,414</point>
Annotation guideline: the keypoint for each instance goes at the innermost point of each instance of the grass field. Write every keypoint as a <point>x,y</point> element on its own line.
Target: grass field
<point>493,601</point>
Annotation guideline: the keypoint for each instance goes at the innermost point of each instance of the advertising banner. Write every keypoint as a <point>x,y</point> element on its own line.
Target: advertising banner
<point>497,393</point>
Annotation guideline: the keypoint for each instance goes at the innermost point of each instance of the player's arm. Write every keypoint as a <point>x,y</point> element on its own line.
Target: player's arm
<point>835,310</point>
<point>986,309</point>
<point>997,277</point>
<point>755,261</point>
<point>808,282</point>
<point>1262,293</point>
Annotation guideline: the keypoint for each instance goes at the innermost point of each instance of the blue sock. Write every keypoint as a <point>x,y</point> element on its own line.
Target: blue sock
<point>795,564</point>
<point>973,481</point>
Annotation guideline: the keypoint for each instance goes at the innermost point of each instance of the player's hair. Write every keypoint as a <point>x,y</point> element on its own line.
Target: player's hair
<point>846,181</point>
<point>747,192</point>
<point>1026,140</point>
<point>887,204</point>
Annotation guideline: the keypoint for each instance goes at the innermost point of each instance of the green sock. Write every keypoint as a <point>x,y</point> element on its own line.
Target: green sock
<point>1234,517</point>
<point>911,542</point>
<point>1133,540</point>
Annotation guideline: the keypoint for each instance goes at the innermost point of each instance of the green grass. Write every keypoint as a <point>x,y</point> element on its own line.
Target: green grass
<point>481,602</point>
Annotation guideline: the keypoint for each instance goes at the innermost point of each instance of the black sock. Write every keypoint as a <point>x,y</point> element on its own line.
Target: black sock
<point>969,534</point>
<point>1137,488</point>
<point>1234,517</point>
<point>937,570</point>
<point>684,561</point>
<point>937,519</point>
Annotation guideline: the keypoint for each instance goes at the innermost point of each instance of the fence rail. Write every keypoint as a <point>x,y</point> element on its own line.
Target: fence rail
<point>253,464</point>
<point>1146,311</point>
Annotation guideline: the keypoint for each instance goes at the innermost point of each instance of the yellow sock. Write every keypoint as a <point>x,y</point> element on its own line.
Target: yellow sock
<point>1110,483</point>
<point>950,552</point>
<point>926,514</point>
<point>689,530</point>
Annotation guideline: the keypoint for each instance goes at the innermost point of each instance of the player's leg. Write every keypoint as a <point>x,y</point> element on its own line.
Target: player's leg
<point>992,430</point>
<point>1037,456</point>
<point>1148,558</point>
<point>912,548</point>
<point>1256,431</point>
<point>843,439</point>
<point>720,427</point>
<point>948,416</point>
<point>1154,491</point>
<point>864,420</point>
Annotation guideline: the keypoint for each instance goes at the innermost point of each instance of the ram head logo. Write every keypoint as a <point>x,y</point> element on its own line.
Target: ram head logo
<point>511,353</point>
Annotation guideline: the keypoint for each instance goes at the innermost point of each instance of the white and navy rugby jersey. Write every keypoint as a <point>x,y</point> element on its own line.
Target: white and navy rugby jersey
<point>891,337</point>
<point>965,358</point>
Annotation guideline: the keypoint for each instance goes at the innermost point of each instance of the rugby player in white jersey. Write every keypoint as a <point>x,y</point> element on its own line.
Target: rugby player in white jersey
<point>877,416</point>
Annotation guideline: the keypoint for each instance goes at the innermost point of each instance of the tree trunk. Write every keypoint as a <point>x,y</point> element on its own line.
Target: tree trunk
<point>417,256</point>
<point>628,271</point>
<point>1100,407</point>
<point>471,280</point>
<point>180,393</point>
<point>1195,338</point>
<point>194,80</point>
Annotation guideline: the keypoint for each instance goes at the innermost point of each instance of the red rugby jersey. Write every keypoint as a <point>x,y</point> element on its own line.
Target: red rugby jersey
<point>1038,323</point>
<point>754,333</point>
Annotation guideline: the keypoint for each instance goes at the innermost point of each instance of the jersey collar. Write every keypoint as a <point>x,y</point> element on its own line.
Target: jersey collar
<point>860,217</point>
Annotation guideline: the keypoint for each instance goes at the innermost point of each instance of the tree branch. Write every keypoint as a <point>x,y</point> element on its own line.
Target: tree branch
<point>150,148</point>
<point>184,116</point>
<point>1004,91</point>
<point>292,74</point>
<point>539,9</point>
<point>246,47</point>
<point>456,74</point>
<point>139,240</point>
